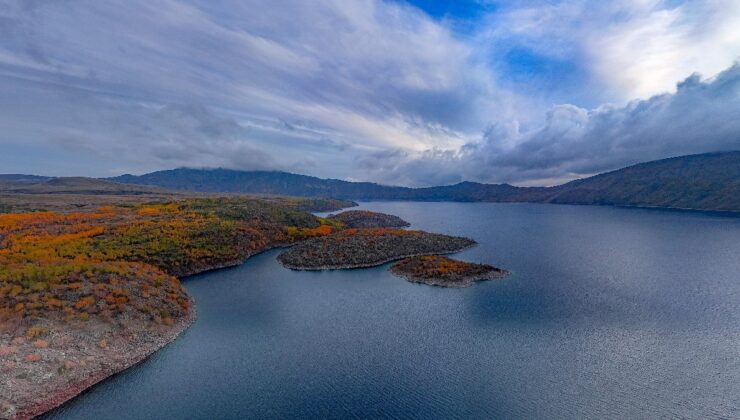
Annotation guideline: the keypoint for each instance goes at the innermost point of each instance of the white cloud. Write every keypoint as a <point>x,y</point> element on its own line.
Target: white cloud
<point>647,53</point>
<point>701,116</point>
<point>362,89</point>
<point>632,48</point>
<point>364,73</point>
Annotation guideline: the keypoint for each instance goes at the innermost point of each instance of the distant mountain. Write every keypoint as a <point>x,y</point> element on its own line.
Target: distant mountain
<point>284,183</point>
<point>708,181</point>
<point>30,184</point>
<point>22,178</point>
<point>260,182</point>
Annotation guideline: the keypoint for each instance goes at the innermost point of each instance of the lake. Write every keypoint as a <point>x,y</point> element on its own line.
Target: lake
<point>608,313</point>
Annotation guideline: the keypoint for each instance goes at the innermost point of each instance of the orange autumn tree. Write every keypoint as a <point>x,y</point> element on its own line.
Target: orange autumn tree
<point>118,259</point>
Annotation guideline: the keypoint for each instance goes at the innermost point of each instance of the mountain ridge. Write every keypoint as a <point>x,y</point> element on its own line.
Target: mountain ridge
<point>708,181</point>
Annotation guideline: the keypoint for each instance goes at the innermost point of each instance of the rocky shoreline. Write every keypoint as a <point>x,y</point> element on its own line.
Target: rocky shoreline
<point>132,354</point>
<point>101,350</point>
<point>368,265</point>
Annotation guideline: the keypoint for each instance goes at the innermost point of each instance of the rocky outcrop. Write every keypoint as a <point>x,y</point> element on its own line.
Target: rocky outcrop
<point>46,362</point>
<point>368,219</point>
<point>355,248</point>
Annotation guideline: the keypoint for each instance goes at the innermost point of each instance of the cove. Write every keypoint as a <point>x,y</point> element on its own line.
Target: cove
<point>608,312</point>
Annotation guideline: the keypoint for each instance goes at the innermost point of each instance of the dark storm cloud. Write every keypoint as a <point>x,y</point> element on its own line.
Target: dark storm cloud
<point>701,116</point>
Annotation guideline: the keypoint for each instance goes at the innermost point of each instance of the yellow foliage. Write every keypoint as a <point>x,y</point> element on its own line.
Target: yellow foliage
<point>84,302</point>
<point>36,331</point>
<point>127,256</point>
<point>148,211</point>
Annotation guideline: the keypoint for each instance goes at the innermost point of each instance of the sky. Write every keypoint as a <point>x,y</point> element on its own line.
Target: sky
<point>420,92</point>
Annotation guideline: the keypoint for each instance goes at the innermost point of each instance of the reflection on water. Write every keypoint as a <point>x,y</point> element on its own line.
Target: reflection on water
<point>608,313</point>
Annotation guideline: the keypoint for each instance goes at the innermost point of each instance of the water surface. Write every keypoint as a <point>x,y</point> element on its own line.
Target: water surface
<point>609,312</point>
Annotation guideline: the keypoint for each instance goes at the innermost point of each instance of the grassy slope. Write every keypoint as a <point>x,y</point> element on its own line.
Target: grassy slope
<point>709,181</point>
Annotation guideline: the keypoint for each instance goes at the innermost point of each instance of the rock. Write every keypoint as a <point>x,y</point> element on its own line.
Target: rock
<point>33,357</point>
<point>7,411</point>
<point>7,350</point>
<point>41,344</point>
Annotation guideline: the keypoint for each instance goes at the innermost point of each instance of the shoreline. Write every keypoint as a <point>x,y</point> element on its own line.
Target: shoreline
<point>63,340</point>
<point>66,395</point>
<point>71,391</point>
<point>122,354</point>
<point>468,281</point>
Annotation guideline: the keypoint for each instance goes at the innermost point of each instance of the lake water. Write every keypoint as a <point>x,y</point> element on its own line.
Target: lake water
<point>609,313</point>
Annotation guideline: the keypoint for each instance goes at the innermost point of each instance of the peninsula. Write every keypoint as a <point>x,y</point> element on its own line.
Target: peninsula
<point>86,294</point>
<point>357,248</point>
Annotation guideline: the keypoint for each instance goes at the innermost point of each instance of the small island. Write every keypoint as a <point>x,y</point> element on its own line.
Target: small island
<point>368,219</point>
<point>357,248</point>
<point>438,270</point>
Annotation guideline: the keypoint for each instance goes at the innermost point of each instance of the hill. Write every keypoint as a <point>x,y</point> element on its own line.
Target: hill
<point>25,184</point>
<point>284,183</point>
<point>262,182</point>
<point>708,181</point>
<point>25,193</point>
<point>22,178</point>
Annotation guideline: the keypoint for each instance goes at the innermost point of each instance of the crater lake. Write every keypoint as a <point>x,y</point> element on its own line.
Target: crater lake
<point>608,313</point>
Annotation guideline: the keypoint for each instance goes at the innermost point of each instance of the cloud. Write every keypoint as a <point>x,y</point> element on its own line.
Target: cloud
<point>701,116</point>
<point>100,132</point>
<point>619,50</point>
<point>364,75</point>
<point>360,89</point>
